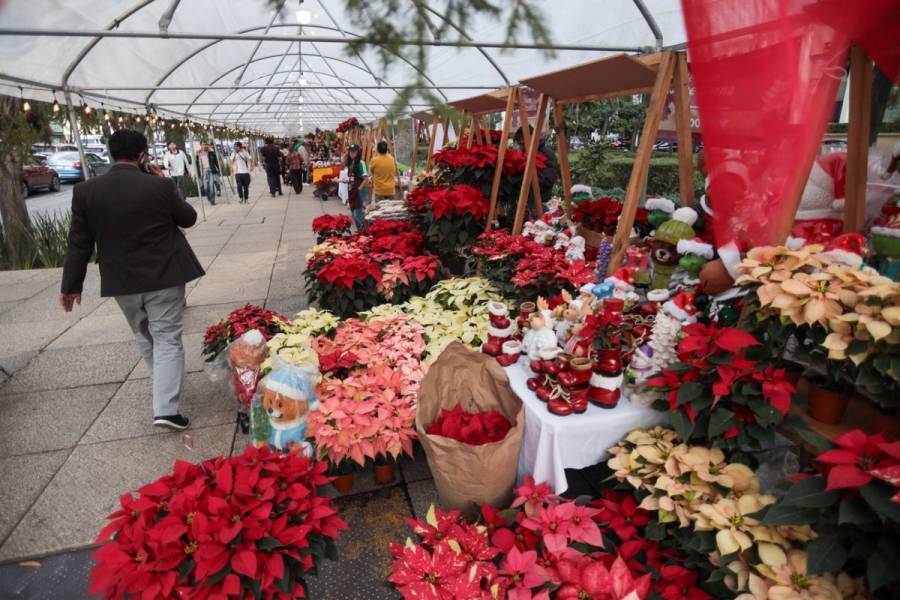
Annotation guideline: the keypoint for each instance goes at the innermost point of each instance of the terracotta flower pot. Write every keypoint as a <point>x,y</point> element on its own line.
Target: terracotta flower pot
<point>343,483</point>
<point>826,406</point>
<point>886,424</point>
<point>384,473</point>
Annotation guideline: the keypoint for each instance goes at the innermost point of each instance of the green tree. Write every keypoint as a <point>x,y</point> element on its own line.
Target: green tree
<point>623,116</point>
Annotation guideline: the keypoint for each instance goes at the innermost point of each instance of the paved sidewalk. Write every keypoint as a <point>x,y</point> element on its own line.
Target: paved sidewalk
<point>75,430</point>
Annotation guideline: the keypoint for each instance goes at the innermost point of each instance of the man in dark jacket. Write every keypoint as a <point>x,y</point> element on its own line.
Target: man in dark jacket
<point>134,218</point>
<point>272,159</point>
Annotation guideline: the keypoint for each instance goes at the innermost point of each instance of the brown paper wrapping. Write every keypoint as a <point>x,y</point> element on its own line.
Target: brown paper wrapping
<point>467,476</point>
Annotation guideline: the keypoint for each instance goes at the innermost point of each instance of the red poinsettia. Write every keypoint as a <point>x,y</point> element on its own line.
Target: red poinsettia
<point>331,223</point>
<point>421,268</point>
<point>458,200</point>
<point>857,456</point>
<point>701,340</point>
<point>236,324</point>
<point>474,429</point>
<point>405,243</point>
<point>345,271</point>
<point>601,214</point>
<point>514,162</point>
<point>380,227</point>
<point>221,528</point>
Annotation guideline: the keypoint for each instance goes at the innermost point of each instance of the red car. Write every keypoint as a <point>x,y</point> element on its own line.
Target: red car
<point>35,174</point>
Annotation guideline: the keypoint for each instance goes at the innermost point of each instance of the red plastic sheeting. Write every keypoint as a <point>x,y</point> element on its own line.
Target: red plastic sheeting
<point>766,74</point>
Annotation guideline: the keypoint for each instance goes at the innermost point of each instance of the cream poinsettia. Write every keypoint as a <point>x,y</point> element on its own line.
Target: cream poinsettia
<point>790,581</point>
<point>735,528</point>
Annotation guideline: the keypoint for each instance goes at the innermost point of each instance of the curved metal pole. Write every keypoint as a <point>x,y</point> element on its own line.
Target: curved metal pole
<point>651,22</point>
<point>275,14</point>
<point>90,45</point>
<point>181,62</point>
<point>468,37</point>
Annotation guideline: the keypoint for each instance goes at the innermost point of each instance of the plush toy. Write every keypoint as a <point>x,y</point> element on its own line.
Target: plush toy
<point>539,336</point>
<point>288,396</point>
<point>664,254</point>
<point>661,210</point>
<point>694,254</point>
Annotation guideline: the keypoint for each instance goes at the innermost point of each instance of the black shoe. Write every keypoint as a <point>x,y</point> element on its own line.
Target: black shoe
<point>172,422</point>
<point>273,195</point>
<point>280,194</point>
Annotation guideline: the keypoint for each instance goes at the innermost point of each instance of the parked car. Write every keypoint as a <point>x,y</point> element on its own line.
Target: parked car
<point>48,149</point>
<point>36,174</point>
<point>576,143</point>
<point>68,165</point>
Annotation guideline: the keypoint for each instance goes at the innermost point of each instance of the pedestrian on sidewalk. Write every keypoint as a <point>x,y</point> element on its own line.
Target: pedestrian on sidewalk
<point>295,166</point>
<point>241,166</point>
<point>357,174</point>
<point>176,163</point>
<point>208,171</point>
<point>385,179</point>
<point>133,218</point>
<point>271,157</point>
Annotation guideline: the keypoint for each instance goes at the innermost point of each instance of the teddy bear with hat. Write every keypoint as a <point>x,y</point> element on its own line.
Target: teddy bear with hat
<point>288,396</point>
<point>664,245</point>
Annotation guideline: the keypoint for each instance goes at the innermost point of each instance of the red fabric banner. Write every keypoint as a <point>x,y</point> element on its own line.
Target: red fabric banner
<point>766,74</point>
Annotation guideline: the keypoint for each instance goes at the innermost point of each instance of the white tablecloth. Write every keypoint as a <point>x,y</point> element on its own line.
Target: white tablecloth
<point>553,443</point>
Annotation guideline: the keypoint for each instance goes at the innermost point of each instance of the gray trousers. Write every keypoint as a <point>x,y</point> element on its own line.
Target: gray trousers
<point>157,320</point>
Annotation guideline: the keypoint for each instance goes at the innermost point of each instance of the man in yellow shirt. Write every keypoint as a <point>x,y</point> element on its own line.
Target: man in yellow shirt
<point>383,169</point>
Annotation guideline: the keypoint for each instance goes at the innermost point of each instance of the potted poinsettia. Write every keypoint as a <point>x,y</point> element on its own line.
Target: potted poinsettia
<point>716,393</point>
<point>326,226</point>
<point>853,501</point>
<point>453,220</point>
<point>236,526</point>
<point>239,321</point>
<point>346,284</point>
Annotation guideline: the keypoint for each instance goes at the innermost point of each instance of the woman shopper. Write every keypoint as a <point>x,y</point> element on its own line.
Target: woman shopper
<point>295,168</point>
<point>357,173</point>
<point>241,166</point>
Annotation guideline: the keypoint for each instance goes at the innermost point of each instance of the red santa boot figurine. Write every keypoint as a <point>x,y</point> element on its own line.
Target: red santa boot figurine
<point>501,329</point>
<point>606,380</point>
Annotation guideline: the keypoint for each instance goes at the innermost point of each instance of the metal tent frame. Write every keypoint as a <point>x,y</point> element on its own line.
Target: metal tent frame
<point>274,87</point>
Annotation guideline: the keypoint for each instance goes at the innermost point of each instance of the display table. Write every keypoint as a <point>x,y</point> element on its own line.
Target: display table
<point>552,443</point>
<point>319,172</point>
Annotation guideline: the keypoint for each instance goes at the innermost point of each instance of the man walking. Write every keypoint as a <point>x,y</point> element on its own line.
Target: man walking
<point>384,173</point>
<point>176,164</point>
<point>271,157</point>
<point>208,171</point>
<point>134,219</point>
<point>241,165</point>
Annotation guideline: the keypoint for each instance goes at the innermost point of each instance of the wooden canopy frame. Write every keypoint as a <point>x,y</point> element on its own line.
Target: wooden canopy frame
<point>611,77</point>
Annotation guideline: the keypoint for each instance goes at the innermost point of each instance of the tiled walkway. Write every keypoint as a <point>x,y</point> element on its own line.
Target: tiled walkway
<point>75,409</point>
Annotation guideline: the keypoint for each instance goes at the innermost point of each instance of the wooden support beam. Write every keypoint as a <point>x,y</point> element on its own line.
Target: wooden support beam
<point>683,131</point>
<point>858,139</point>
<point>530,176</point>
<point>470,139</point>
<point>429,160</point>
<point>526,139</point>
<point>445,127</point>
<point>642,159</point>
<point>562,142</point>
<point>484,123</point>
<point>501,154</point>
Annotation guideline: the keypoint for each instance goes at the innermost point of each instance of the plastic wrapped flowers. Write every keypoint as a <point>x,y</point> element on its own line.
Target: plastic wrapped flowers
<point>454,309</point>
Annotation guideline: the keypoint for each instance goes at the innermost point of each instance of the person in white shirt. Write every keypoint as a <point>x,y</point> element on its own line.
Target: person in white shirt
<point>176,164</point>
<point>241,165</point>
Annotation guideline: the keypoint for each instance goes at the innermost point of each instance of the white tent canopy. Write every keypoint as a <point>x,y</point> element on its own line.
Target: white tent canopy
<point>256,76</point>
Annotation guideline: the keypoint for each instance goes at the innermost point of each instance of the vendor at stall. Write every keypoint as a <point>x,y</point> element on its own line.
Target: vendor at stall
<point>549,175</point>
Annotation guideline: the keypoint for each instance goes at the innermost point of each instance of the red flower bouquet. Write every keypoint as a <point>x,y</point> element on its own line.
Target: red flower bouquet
<point>473,429</point>
<point>452,218</point>
<point>347,125</point>
<point>240,526</point>
<point>718,395</point>
<point>239,321</point>
<point>599,215</point>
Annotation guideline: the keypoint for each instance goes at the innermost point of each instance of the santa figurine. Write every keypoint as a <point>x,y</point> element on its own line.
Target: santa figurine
<point>820,213</point>
<point>846,249</point>
<point>622,280</point>
<point>501,329</point>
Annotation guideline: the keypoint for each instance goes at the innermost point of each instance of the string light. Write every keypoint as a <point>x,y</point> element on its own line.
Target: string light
<point>55,103</point>
<point>121,120</point>
<point>26,106</point>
